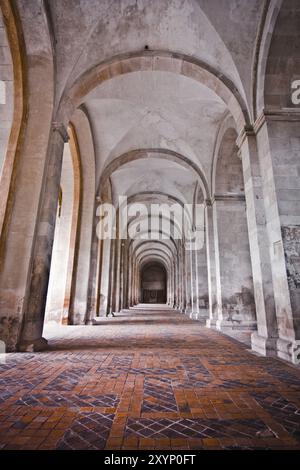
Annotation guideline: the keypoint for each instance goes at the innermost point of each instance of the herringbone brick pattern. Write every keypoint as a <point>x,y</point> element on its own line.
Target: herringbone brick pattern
<point>147,379</point>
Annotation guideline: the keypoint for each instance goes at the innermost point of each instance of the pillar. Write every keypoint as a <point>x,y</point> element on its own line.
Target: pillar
<point>265,339</point>
<point>94,280</point>
<point>278,141</point>
<point>213,292</point>
<point>31,335</point>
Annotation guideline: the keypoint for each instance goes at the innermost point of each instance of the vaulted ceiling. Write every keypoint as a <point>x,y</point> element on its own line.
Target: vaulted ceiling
<point>172,119</point>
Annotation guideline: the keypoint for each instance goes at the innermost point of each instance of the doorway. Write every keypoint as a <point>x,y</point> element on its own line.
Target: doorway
<point>154,284</point>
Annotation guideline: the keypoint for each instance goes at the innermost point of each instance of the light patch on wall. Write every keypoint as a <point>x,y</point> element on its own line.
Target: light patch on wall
<point>2,92</point>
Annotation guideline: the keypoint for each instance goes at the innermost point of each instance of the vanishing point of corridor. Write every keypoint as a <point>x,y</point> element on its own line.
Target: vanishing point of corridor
<point>150,378</point>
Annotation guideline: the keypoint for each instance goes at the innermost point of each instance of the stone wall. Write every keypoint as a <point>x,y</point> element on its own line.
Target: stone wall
<point>238,305</point>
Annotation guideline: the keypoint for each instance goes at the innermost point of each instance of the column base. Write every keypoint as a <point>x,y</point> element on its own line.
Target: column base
<point>210,323</point>
<point>199,317</point>
<point>40,344</point>
<point>262,345</point>
<point>194,315</point>
<point>289,350</point>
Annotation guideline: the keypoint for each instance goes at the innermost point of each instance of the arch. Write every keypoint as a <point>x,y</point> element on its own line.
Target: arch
<point>227,123</point>
<point>234,288</point>
<point>22,228</point>
<point>262,52</point>
<point>156,61</point>
<point>76,220</point>
<point>142,194</point>
<point>158,246</point>
<point>167,154</point>
<point>160,232</point>
<point>63,264</point>
<point>20,97</point>
<point>145,259</point>
<point>228,178</point>
<point>282,61</point>
<point>154,249</point>
<point>84,259</point>
<point>153,253</point>
<point>142,198</point>
<point>178,233</point>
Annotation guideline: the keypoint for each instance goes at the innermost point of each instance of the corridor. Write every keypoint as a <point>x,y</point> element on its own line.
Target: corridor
<point>150,378</point>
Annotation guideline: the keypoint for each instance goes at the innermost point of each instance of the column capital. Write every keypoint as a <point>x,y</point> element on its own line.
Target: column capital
<point>208,202</point>
<point>246,131</point>
<point>61,129</point>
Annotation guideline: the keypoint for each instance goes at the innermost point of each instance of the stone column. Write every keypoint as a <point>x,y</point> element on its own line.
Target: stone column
<point>136,284</point>
<point>104,284</point>
<point>31,335</point>
<point>188,281</point>
<point>195,284</point>
<point>174,294</point>
<point>170,286</point>
<point>122,275</point>
<point>278,140</point>
<point>183,277</point>
<point>111,286</point>
<point>129,285</point>
<point>94,281</point>
<point>202,284</point>
<point>133,280</point>
<point>213,295</point>
<point>117,277</point>
<point>192,283</point>
<point>264,340</point>
<point>126,275</point>
<point>176,285</point>
<point>181,269</point>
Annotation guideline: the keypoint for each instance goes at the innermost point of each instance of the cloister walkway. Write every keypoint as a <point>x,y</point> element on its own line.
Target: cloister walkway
<point>150,378</point>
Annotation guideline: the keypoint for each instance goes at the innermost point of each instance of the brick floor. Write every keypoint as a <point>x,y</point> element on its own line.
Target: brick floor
<point>147,379</point>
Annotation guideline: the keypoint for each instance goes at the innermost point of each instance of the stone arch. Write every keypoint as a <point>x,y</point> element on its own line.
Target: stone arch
<point>85,258</point>
<point>283,58</point>
<point>22,229</point>
<point>13,77</point>
<point>234,286</point>
<point>161,61</point>
<point>161,247</point>
<point>265,32</point>
<point>65,246</point>
<point>228,178</point>
<point>167,154</point>
<point>226,124</point>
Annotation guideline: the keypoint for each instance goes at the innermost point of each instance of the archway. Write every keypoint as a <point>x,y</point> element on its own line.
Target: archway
<point>65,237</point>
<point>153,283</point>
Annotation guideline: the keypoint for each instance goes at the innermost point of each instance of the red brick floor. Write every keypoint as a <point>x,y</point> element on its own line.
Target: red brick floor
<point>147,379</point>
